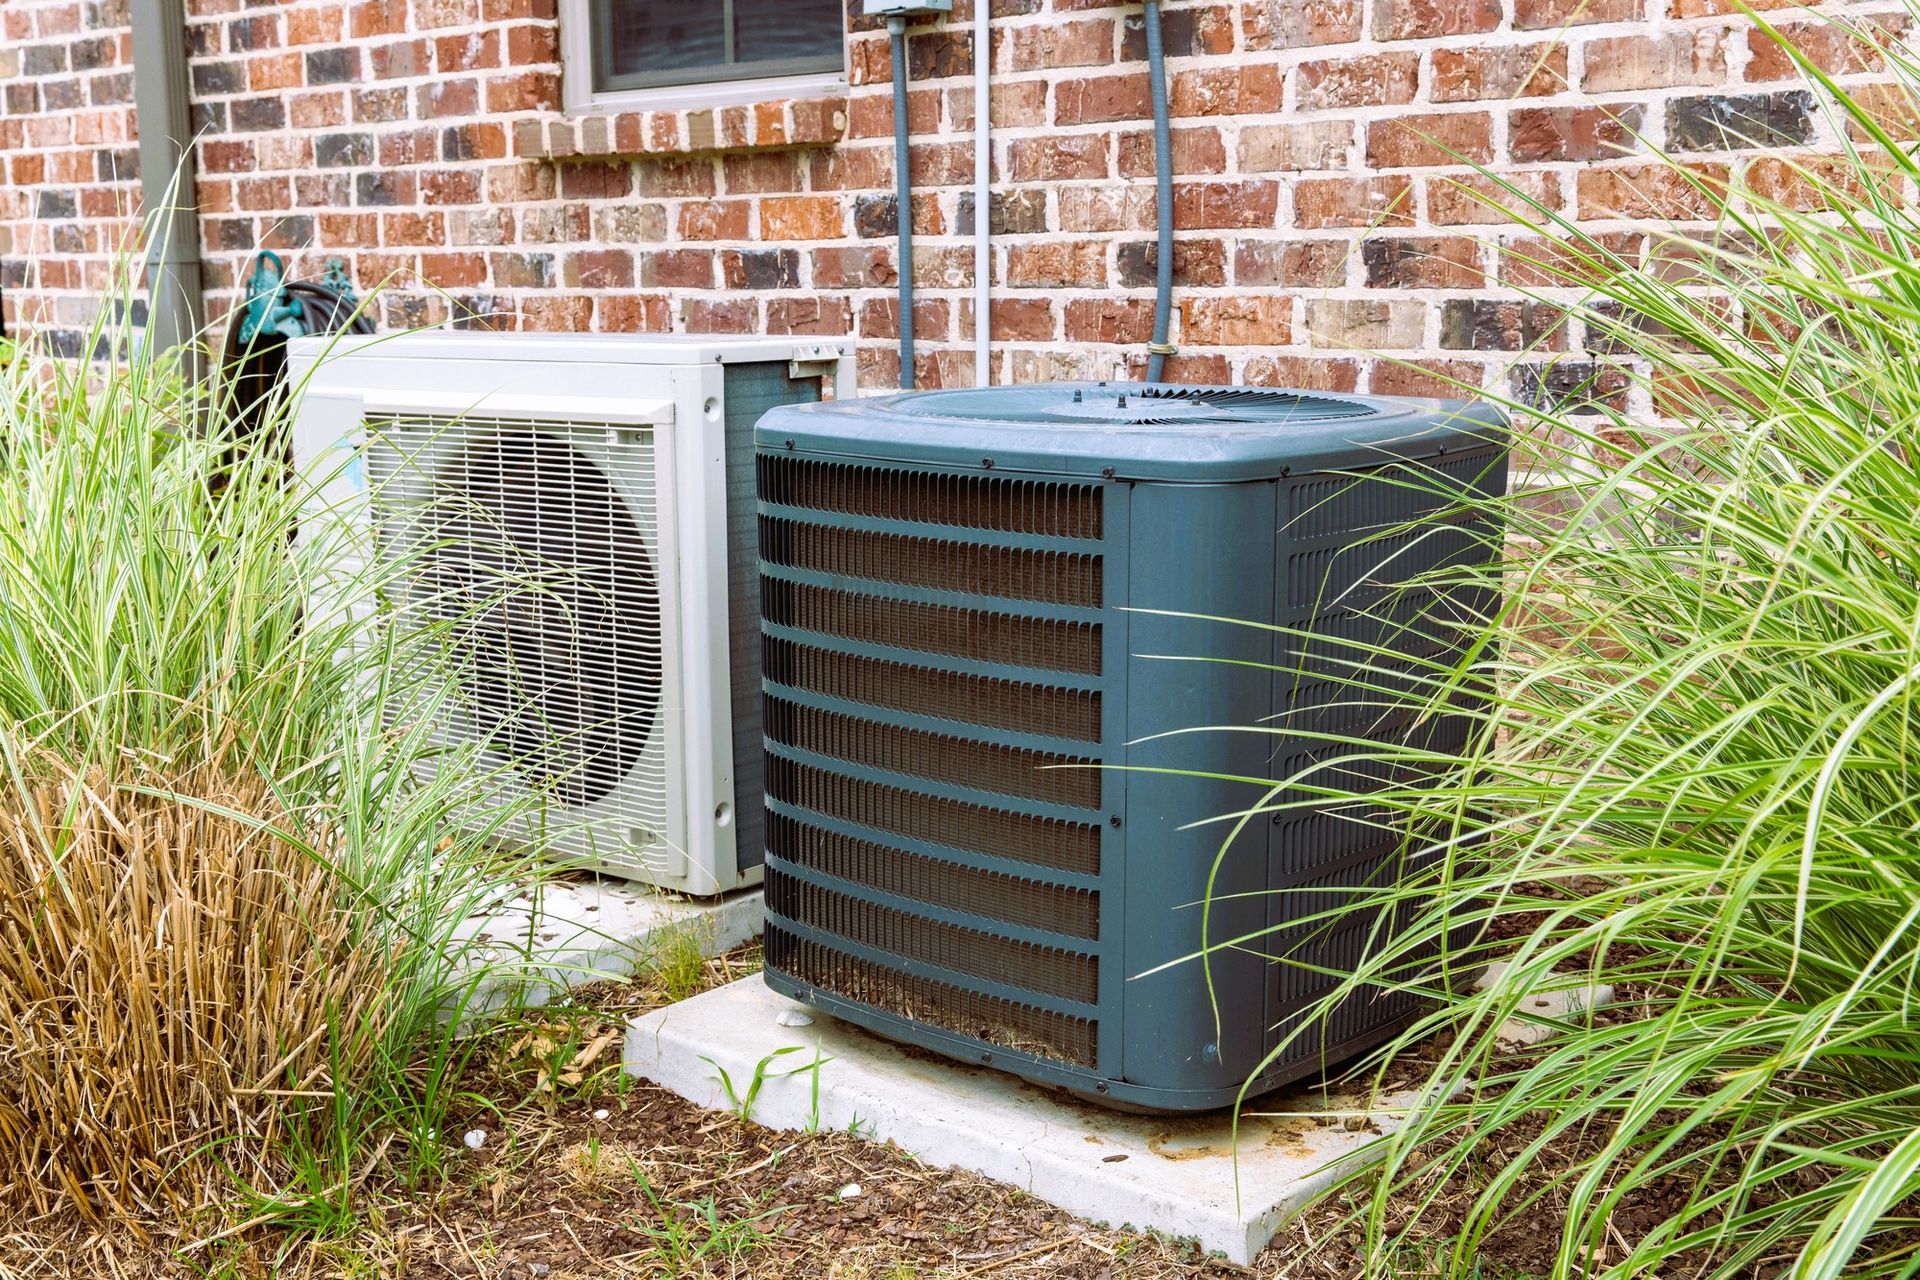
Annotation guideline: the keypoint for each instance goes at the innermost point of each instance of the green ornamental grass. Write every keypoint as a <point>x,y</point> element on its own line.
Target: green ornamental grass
<point>1695,774</point>
<point>235,853</point>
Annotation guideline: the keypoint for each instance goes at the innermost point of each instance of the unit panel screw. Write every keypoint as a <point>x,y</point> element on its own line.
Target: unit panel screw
<point>1107,473</point>
<point>986,464</point>
<point>789,446</point>
<point>1114,821</point>
<point>1101,1087</point>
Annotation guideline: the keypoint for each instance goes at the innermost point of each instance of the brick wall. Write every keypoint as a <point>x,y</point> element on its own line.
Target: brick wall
<point>1323,206</point>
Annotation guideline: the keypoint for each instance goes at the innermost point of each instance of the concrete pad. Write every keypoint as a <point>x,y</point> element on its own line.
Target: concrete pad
<point>578,931</point>
<point>1173,1174</point>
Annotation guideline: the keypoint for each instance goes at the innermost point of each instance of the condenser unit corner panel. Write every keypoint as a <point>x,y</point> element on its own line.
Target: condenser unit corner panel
<point>1134,431</point>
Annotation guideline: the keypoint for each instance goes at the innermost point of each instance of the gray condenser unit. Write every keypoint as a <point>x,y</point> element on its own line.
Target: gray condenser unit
<point>967,602</point>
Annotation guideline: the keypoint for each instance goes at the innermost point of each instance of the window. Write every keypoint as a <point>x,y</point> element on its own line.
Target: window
<point>650,44</point>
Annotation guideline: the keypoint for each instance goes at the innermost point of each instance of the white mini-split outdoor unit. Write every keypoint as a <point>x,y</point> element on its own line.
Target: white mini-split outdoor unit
<point>613,477</point>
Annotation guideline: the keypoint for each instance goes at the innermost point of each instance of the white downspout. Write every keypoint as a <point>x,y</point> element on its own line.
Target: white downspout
<point>982,196</point>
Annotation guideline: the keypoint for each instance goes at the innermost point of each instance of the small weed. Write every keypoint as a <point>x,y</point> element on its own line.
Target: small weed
<point>599,1168</point>
<point>741,1103</point>
<point>687,1235</point>
<point>677,964</point>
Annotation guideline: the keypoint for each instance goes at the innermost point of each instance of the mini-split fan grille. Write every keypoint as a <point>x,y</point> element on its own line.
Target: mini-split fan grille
<point>532,549</point>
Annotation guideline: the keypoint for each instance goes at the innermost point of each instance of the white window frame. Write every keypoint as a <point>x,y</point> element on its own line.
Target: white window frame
<point>577,93</point>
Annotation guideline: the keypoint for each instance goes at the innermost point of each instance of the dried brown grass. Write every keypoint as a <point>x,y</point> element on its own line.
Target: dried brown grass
<point>178,985</point>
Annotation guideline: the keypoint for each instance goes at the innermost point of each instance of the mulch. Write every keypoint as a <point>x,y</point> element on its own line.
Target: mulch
<point>582,1172</point>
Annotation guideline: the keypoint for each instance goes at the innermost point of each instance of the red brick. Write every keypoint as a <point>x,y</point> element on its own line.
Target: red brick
<point>275,71</point>
<point>1229,90</point>
<point>450,186</point>
<point>378,18</point>
<point>1572,133</point>
<point>1690,191</point>
<point>854,267</point>
<point>1020,105</point>
<point>1271,148</point>
<point>413,229</point>
<point>1839,49</point>
<point>1656,62</point>
<point>403,59</point>
<point>1722,8</point>
<point>1455,379</point>
<point>1078,43</point>
<point>524,91</point>
<point>263,194</point>
<point>1022,320</point>
<point>1099,99</point>
<point>1058,159</point>
<point>1366,324</point>
<point>1293,264</point>
<point>626,313</point>
<point>1377,79</point>
<point>1352,202</point>
<point>720,315</point>
<point>453,270</point>
<point>716,220</point>
<point>1422,262</point>
<point>1414,19</point>
<point>678,269</point>
<point>801,218</point>
<point>1536,262</point>
<point>532,45</point>
<point>318,25</point>
<point>474,51</point>
<point>1109,320</point>
<point>1537,15</point>
<point>556,313</point>
<point>1259,320</point>
<point>409,146</point>
<point>599,269</point>
<point>1195,151</point>
<point>1198,205</point>
<point>1472,198</point>
<point>1892,106</point>
<point>1499,71</point>
<point>1057,264</point>
<point>1309,373</point>
<point>827,317</point>
<point>316,110</point>
<point>1811,183</point>
<point>1409,141</point>
<point>1294,24</point>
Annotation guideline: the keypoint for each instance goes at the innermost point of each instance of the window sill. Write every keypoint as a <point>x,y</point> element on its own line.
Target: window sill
<point>768,124</point>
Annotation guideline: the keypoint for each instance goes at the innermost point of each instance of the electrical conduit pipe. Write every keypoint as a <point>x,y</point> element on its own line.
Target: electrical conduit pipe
<point>903,196</point>
<point>982,196</point>
<point>1159,349</point>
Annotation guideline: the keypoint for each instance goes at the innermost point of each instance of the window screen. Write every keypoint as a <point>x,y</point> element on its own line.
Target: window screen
<point>640,44</point>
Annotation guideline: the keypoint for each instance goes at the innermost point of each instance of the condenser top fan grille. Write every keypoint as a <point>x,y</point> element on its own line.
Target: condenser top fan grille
<point>1110,404</point>
<point>540,569</point>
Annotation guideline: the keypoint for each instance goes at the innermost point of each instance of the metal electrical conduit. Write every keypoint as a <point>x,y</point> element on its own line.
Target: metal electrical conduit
<point>1159,349</point>
<point>902,197</point>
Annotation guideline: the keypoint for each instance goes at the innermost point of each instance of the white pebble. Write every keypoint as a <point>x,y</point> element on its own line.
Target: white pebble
<point>793,1018</point>
<point>851,1191</point>
<point>475,1139</point>
<point>602,1114</point>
